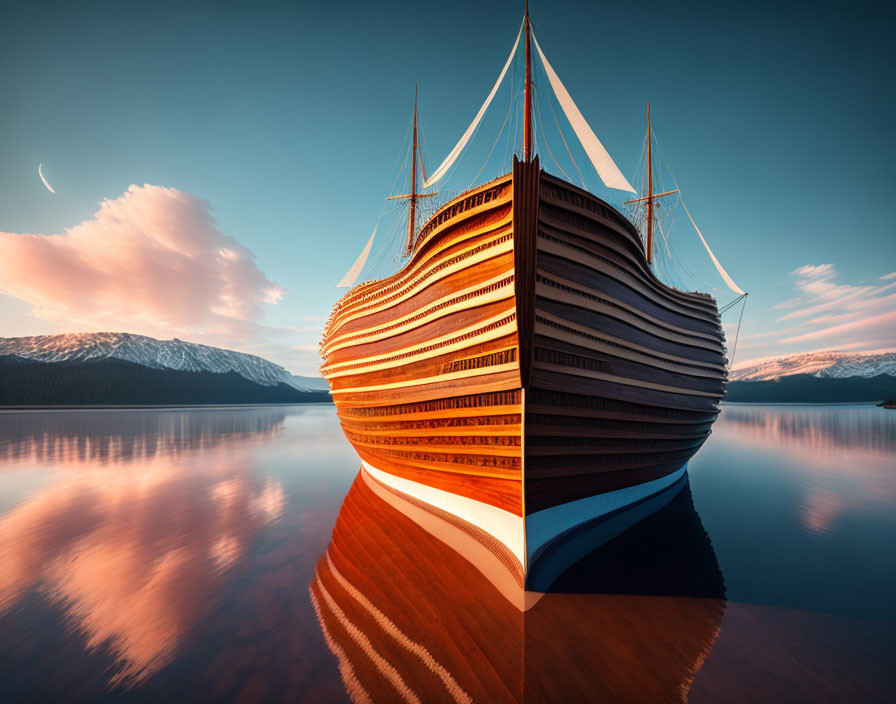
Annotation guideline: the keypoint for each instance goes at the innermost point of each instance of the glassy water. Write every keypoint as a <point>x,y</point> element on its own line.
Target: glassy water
<point>236,554</point>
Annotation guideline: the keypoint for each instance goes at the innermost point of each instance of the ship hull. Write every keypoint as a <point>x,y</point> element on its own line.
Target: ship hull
<point>526,371</point>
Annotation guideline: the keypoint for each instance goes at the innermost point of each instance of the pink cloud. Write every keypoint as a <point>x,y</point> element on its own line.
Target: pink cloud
<point>839,312</point>
<point>151,261</point>
<point>885,321</point>
<point>820,292</point>
<point>851,298</point>
<point>829,315</point>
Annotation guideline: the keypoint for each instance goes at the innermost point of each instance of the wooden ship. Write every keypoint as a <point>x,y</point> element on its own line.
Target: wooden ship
<point>525,371</point>
<point>413,608</point>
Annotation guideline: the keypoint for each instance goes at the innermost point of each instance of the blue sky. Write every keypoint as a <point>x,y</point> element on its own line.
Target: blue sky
<point>286,119</point>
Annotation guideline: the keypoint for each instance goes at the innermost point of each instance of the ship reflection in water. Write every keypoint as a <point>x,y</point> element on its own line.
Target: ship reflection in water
<point>416,609</point>
<point>214,555</point>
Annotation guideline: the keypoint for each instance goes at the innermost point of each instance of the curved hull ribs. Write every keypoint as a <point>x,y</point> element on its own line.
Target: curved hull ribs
<point>526,370</point>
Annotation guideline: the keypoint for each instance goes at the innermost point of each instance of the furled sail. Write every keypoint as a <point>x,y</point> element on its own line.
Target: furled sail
<point>352,274</point>
<point>607,170</point>
<point>459,147</point>
<point>728,280</point>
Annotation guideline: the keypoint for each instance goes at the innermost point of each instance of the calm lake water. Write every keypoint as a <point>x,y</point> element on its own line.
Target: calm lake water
<point>207,554</point>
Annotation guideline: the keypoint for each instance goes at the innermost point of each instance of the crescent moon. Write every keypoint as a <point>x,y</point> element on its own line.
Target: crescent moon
<point>40,172</point>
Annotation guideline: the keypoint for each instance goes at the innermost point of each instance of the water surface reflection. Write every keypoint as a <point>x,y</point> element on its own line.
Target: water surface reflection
<point>167,556</point>
<point>818,430</point>
<point>841,456</point>
<point>126,436</point>
<point>143,517</point>
<point>411,610</point>
<point>126,540</point>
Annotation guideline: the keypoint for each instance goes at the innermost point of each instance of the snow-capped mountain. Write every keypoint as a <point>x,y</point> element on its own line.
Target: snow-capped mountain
<point>155,354</point>
<point>824,365</point>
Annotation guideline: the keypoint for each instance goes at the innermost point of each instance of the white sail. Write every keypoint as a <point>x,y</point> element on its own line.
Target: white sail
<point>459,147</point>
<point>352,274</point>
<point>728,280</point>
<point>607,170</point>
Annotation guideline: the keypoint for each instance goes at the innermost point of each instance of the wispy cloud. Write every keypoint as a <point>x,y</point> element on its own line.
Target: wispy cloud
<point>885,322</point>
<point>826,313</point>
<point>151,261</point>
<point>820,292</point>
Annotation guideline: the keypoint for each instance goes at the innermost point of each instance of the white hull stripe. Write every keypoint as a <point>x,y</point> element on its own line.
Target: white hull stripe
<point>525,538</point>
<point>503,525</point>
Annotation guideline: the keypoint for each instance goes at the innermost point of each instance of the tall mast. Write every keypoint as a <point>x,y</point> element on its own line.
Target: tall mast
<point>649,192</point>
<point>413,195</point>
<point>412,224</point>
<point>527,130</point>
<point>651,196</point>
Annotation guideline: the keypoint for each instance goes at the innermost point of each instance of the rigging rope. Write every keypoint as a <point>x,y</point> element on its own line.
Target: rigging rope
<point>462,142</point>
<point>388,254</point>
<point>728,306</point>
<point>485,163</point>
<point>425,149</point>
<point>737,334</point>
<point>548,146</point>
<point>354,272</point>
<point>673,254</point>
<point>601,160</point>
<point>512,139</point>
<point>728,280</point>
<point>557,122</point>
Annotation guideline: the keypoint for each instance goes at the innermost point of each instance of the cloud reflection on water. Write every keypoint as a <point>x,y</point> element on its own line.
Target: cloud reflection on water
<point>138,525</point>
<point>845,454</point>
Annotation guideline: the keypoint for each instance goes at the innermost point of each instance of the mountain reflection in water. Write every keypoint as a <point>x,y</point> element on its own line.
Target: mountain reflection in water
<point>208,555</point>
<point>819,430</point>
<point>846,454</point>
<point>66,438</point>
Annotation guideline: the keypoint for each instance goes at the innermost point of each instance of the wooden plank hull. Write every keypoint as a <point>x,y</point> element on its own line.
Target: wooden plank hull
<point>526,371</point>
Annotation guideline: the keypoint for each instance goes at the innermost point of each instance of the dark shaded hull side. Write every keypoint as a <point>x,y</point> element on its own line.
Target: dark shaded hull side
<point>626,373</point>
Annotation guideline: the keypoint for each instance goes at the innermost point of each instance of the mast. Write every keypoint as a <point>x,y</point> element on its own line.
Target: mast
<point>649,192</point>
<point>527,130</point>
<point>651,196</point>
<point>413,194</point>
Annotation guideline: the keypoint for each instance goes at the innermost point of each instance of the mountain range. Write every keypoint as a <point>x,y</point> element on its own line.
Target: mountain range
<point>828,364</point>
<point>122,368</point>
<point>816,377</point>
